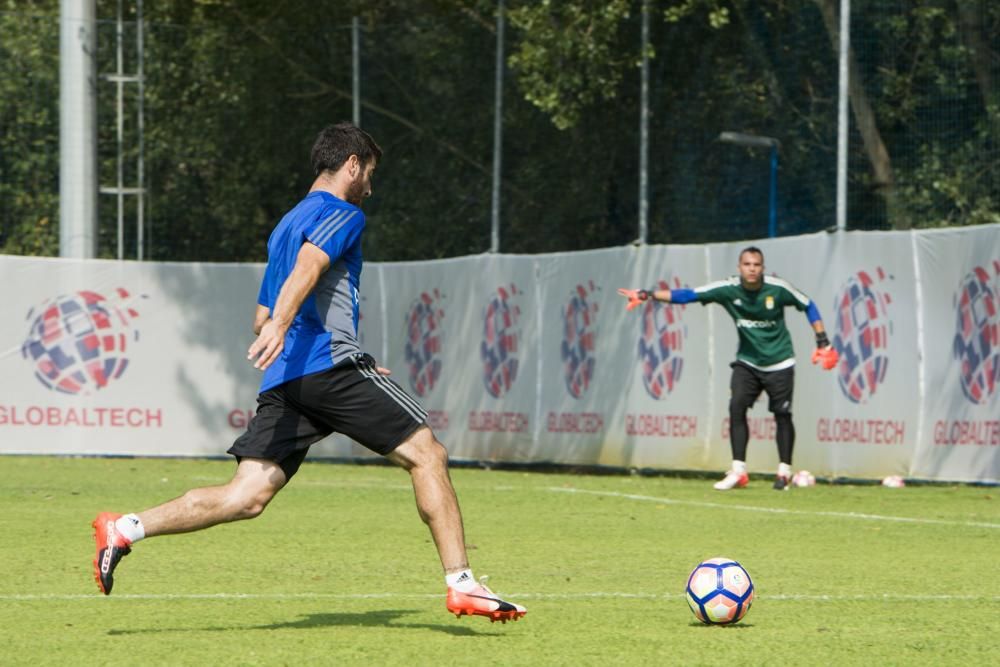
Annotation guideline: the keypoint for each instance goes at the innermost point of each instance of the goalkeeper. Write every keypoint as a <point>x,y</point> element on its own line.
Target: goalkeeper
<point>765,360</point>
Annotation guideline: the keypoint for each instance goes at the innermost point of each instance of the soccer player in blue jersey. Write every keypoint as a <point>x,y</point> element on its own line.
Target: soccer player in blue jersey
<point>317,381</point>
<point>765,360</point>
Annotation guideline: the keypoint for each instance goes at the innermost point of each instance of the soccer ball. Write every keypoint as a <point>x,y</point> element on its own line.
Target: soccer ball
<point>719,591</point>
<point>894,482</point>
<point>803,478</point>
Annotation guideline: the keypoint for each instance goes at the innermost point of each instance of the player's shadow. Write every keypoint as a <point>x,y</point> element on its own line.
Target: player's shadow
<point>386,618</point>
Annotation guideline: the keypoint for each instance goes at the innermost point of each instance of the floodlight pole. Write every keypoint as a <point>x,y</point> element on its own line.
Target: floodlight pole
<point>77,129</point>
<point>772,144</point>
<point>644,130</point>
<point>497,133</point>
<point>356,71</point>
<point>843,119</point>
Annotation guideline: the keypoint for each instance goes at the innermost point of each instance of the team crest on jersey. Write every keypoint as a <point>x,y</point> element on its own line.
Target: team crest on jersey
<point>769,302</point>
<point>737,302</point>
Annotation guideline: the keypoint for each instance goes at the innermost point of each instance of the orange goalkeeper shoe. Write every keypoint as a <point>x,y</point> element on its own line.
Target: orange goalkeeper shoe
<point>111,548</point>
<point>481,601</point>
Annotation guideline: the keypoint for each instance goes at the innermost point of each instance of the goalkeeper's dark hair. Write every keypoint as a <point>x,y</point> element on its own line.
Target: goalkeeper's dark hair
<point>755,250</point>
<point>336,143</point>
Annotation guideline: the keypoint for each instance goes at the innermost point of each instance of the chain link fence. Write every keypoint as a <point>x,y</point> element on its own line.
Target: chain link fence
<point>234,98</point>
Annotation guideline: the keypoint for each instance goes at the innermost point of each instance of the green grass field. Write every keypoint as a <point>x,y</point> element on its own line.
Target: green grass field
<point>340,570</point>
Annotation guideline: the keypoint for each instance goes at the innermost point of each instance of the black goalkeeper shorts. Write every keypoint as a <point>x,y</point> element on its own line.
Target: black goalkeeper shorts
<point>351,398</point>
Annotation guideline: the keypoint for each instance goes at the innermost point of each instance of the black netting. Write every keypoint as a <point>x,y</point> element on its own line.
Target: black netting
<point>236,91</point>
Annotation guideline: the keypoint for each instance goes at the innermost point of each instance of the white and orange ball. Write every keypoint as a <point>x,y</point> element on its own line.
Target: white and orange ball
<point>894,482</point>
<point>719,591</point>
<point>803,478</point>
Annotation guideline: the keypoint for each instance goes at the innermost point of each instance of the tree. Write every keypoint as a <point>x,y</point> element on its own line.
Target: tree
<point>29,128</point>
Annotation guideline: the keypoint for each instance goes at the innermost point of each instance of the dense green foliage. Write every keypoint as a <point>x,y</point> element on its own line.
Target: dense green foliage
<point>236,90</point>
<point>340,571</point>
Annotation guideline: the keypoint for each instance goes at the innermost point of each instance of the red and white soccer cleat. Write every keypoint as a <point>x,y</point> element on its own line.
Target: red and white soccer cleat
<point>481,601</point>
<point>732,480</point>
<point>111,548</point>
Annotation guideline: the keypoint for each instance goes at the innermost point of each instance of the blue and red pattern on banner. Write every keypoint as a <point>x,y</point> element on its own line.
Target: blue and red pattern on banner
<point>661,344</point>
<point>863,329</point>
<point>579,338</point>
<point>77,343</point>
<point>977,333</point>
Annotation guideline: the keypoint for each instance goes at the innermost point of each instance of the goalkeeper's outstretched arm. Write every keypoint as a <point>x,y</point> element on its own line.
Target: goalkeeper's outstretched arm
<point>637,296</point>
<point>824,354</point>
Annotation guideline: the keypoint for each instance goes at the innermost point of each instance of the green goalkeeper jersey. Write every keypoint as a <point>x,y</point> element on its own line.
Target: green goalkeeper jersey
<point>760,318</point>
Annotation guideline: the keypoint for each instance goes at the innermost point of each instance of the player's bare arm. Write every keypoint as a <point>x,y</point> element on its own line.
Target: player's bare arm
<point>310,264</point>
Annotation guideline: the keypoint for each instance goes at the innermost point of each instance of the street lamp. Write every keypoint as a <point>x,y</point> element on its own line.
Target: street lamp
<point>759,141</point>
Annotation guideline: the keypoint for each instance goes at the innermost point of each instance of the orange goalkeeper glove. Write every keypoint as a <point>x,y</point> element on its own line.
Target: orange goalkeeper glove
<point>825,354</point>
<point>634,296</point>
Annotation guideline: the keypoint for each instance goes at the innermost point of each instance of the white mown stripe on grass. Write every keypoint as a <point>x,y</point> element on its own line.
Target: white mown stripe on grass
<point>777,510</point>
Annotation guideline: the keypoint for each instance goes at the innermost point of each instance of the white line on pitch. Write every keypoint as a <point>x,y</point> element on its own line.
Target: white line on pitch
<point>889,597</point>
<point>777,510</point>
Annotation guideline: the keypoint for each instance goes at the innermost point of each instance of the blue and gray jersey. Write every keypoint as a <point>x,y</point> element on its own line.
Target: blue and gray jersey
<point>325,330</point>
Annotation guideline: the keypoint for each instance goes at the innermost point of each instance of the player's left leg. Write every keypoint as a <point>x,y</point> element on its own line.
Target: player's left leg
<point>780,386</point>
<point>426,459</point>
<point>355,399</point>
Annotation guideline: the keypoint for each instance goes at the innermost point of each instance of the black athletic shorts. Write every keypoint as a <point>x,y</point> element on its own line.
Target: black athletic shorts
<point>747,383</point>
<point>350,398</point>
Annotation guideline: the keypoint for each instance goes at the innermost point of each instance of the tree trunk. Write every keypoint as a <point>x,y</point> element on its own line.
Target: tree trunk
<point>864,116</point>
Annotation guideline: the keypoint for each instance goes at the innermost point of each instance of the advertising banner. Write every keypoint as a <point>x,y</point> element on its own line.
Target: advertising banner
<point>960,325</point>
<point>104,357</point>
<point>534,359</point>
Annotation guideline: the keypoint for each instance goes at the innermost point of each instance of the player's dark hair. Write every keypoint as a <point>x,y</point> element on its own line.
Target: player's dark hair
<point>754,249</point>
<point>336,143</point>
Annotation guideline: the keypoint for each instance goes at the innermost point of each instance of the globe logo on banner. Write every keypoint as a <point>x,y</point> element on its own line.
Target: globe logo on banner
<point>661,344</point>
<point>498,349</point>
<point>977,333</point>
<point>579,334</point>
<point>77,343</point>
<point>423,341</point>
<point>862,335</point>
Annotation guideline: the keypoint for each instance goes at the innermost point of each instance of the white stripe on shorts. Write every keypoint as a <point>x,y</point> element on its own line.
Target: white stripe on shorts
<point>392,391</point>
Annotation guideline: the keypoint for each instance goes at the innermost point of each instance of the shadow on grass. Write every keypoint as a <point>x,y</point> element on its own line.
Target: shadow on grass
<point>381,619</point>
<point>729,626</point>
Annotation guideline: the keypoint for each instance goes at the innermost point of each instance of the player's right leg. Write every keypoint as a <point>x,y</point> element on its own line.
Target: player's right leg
<point>745,387</point>
<point>244,497</point>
